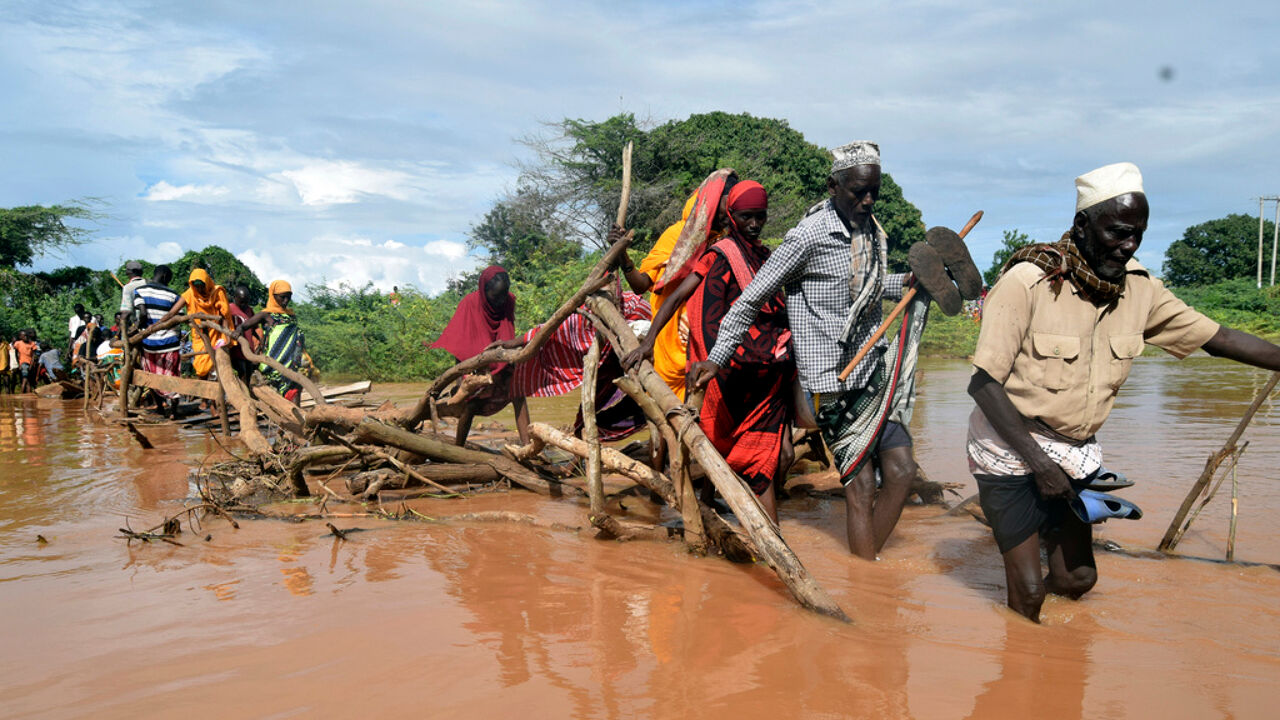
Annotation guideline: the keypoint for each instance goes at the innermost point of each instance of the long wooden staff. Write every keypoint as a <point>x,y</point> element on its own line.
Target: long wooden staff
<point>626,186</point>
<point>902,305</point>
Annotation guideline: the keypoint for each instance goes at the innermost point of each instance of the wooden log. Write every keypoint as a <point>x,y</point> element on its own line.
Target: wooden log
<point>623,531</point>
<point>598,275</point>
<point>1171,535</point>
<point>303,457</point>
<point>768,540</point>
<point>369,430</point>
<point>733,546</point>
<point>206,389</point>
<point>239,396</point>
<point>695,534</point>
<point>441,473</point>
<point>590,434</point>
<point>307,384</point>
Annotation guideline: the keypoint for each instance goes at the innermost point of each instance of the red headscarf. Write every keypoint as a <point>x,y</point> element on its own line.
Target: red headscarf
<point>477,322</point>
<point>748,195</point>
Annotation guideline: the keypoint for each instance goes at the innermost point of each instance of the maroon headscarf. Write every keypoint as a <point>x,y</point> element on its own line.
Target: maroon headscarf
<point>476,322</point>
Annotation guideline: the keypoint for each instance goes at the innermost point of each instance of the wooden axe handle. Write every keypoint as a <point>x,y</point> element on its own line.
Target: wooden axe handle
<point>897,310</point>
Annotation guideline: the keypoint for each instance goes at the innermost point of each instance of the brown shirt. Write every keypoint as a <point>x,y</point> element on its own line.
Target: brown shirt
<point>1062,359</point>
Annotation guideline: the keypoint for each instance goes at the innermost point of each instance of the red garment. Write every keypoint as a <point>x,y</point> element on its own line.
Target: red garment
<point>747,406</point>
<point>238,318</point>
<point>476,322</point>
<point>748,195</point>
<point>696,234</point>
<point>557,367</point>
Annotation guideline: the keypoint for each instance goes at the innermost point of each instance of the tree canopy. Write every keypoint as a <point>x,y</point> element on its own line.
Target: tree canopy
<point>1217,250</point>
<point>1013,241</point>
<point>574,183</point>
<point>29,231</point>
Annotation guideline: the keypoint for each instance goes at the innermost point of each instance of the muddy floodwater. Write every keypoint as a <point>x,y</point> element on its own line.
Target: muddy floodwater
<point>501,620</point>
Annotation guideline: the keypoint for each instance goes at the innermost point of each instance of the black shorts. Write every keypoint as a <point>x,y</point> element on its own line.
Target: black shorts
<point>894,435</point>
<point>1013,506</point>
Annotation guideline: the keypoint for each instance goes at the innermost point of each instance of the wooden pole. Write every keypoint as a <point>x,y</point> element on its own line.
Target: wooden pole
<point>590,433</point>
<point>239,396</point>
<point>126,374</point>
<point>773,548</point>
<point>1275,240</point>
<point>224,418</point>
<point>626,186</point>
<point>907,297</point>
<point>1235,512</point>
<point>1260,210</point>
<point>1170,539</point>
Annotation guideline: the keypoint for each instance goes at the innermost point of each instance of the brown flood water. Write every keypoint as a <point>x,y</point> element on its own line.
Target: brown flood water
<point>477,621</point>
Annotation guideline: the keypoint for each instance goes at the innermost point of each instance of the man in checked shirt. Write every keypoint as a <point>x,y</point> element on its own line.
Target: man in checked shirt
<point>832,265</point>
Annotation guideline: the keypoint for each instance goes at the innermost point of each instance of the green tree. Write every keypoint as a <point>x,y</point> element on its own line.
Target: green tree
<point>32,230</point>
<point>226,269</point>
<point>577,175</point>
<point>1014,240</point>
<point>1222,249</point>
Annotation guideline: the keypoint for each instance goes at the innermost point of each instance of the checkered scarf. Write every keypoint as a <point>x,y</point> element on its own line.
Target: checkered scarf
<point>1063,260</point>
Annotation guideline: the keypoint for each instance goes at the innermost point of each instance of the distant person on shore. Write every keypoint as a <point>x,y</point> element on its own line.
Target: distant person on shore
<point>79,318</point>
<point>284,342</point>
<point>1060,330</point>
<point>394,297</point>
<point>153,302</point>
<point>673,256</point>
<point>486,318</point>
<point>203,297</point>
<point>25,346</point>
<point>747,409</point>
<point>134,270</point>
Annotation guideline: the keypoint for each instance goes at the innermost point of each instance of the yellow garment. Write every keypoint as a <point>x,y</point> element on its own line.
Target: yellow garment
<point>4,356</point>
<point>212,302</point>
<point>670,346</point>
<point>273,306</point>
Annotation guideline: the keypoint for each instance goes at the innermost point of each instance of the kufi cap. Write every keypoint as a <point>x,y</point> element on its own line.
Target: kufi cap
<point>133,265</point>
<point>1107,182</point>
<point>859,152</point>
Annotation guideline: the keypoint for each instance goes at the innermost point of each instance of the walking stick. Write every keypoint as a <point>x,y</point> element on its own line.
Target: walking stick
<point>902,305</point>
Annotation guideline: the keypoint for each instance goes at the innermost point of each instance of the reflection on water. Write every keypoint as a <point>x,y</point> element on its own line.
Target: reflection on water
<point>442,620</point>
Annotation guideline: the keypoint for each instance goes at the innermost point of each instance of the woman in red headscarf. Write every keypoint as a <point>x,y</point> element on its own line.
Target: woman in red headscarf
<point>747,409</point>
<point>483,318</point>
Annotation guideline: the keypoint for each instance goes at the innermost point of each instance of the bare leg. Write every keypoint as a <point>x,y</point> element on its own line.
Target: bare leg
<point>1022,572</point>
<point>898,468</point>
<point>464,425</point>
<point>521,408</point>
<point>859,495</point>
<point>1072,570</point>
<point>786,456</point>
<point>769,501</point>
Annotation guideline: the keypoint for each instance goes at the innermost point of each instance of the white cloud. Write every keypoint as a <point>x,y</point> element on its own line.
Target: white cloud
<point>328,183</point>
<point>448,248</point>
<point>163,191</point>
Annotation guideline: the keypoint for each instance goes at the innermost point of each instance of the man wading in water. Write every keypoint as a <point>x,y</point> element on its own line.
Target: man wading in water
<point>833,266</point>
<point>1060,330</point>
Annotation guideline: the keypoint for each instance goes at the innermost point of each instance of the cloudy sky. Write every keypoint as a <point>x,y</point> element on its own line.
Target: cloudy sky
<point>356,142</point>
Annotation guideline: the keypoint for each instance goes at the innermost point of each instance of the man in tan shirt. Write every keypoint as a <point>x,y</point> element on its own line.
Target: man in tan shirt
<point>1060,331</point>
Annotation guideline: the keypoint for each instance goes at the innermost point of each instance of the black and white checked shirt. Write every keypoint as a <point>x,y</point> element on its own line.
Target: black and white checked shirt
<point>814,264</point>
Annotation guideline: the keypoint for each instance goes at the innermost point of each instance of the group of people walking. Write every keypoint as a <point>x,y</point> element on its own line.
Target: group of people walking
<point>769,335</point>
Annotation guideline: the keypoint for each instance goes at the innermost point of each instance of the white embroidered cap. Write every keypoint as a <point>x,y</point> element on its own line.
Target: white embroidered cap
<point>859,152</point>
<point>1107,182</point>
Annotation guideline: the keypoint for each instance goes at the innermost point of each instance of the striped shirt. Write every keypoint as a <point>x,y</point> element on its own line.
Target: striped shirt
<point>152,302</point>
<point>814,264</point>
<point>557,366</point>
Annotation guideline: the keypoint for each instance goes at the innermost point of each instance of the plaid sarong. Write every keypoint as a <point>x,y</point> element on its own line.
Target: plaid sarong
<point>162,363</point>
<point>852,424</point>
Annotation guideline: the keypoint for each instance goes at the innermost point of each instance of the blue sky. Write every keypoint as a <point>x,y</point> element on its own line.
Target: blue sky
<point>328,142</point>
